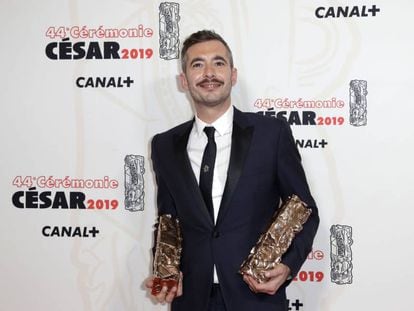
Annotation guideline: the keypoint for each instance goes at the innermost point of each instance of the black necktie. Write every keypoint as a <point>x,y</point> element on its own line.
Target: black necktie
<point>207,169</point>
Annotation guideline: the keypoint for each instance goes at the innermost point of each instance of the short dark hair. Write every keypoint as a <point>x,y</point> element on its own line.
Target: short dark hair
<point>202,36</point>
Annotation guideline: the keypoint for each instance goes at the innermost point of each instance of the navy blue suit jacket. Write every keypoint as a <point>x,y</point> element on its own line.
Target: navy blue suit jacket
<point>265,167</point>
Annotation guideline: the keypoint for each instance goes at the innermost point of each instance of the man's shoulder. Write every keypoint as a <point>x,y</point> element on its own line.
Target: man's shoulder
<point>257,119</point>
<point>179,129</point>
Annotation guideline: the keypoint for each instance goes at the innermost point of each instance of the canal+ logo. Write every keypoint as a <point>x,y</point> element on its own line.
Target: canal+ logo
<point>347,11</point>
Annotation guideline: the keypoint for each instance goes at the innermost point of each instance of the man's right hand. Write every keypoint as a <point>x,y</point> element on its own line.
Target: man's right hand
<point>165,295</point>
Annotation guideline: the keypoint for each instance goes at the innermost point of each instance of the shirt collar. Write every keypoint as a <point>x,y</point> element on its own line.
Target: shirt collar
<point>222,125</point>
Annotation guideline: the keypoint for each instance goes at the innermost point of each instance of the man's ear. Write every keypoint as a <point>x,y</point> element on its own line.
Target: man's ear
<point>183,81</point>
<point>233,76</point>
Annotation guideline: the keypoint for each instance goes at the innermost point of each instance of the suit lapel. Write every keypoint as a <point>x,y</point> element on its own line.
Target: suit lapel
<point>241,138</point>
<point>185,169</point>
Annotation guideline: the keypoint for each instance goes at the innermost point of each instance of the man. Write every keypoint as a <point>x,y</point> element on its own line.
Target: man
<point>254,165</point>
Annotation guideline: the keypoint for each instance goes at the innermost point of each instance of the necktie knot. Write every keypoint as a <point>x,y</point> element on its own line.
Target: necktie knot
<point>209,130</point>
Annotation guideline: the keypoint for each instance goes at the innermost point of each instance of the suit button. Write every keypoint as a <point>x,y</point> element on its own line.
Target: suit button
<point>216,234</point>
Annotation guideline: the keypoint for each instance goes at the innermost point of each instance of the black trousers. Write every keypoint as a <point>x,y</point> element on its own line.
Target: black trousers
<point>216,302</point>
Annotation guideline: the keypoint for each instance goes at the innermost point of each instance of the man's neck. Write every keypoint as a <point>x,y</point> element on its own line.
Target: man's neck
<point>211,114</point>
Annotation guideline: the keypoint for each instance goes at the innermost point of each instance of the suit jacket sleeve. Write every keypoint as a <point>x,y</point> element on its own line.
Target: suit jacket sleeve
<point>165,202</point>
<point>292,180</point>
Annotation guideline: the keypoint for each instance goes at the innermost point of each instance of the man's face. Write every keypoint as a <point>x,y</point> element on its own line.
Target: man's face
<point>208,75</point>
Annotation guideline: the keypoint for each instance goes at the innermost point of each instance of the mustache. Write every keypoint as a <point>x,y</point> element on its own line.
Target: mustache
<point>207,80</point>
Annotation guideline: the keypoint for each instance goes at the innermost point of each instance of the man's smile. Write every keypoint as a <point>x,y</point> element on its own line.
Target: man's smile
<point>210,84</point>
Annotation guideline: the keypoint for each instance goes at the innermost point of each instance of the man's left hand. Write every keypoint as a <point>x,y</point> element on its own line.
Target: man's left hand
<point>277,277</point>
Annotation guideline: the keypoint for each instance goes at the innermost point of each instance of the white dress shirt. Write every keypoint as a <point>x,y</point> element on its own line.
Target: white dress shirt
<point>195,149</point>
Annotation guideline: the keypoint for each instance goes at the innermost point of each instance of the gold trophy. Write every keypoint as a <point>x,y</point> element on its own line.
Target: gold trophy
<point>272,244</point>
<point>167,254</point>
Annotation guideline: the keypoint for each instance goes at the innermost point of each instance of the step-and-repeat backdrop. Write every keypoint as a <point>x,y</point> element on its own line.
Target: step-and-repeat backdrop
<point>86,84</point>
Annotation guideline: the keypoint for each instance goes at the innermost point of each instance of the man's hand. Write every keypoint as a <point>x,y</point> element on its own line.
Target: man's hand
<point>277,277</point>
<point>164,295</point>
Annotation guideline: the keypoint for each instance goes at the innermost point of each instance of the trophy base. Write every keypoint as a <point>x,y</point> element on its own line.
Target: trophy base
<point>159,283</point>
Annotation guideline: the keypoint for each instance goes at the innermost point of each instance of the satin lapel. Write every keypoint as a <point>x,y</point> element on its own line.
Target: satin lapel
<point>241,138</point>
<point>185,169</point>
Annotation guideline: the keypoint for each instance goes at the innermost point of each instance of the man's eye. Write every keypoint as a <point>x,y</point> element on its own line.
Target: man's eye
<point>219,64</point>
<point>196,65</point>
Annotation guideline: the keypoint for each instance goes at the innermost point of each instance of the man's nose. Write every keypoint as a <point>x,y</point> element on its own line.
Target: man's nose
<point>209,71</point>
